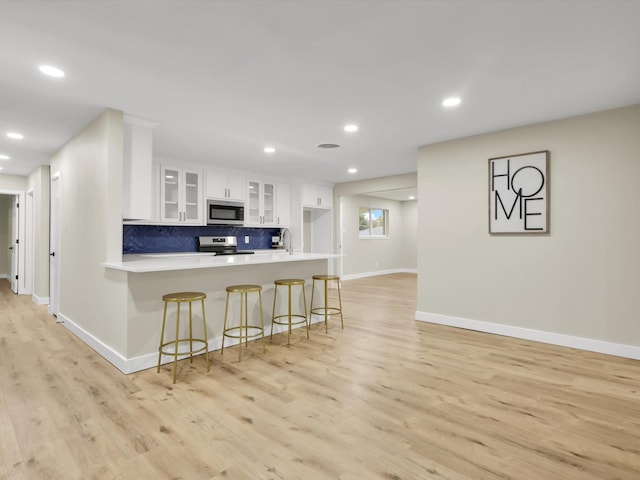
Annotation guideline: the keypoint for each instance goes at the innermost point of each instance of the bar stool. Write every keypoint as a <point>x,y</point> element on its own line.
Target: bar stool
<point>302,318</point>
<point>256,330</point>
<point>325,309</point>
<point>201,343</point>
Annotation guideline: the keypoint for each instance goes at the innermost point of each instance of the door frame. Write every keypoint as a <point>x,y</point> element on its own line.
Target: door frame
<point>54,244</point>
<point>24,276</point>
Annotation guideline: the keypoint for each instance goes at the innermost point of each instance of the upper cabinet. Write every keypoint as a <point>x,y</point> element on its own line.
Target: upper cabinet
<point>225,185</point>
<point>137,169</point>
<point>181,198</point>
<point>260,208</point>
<point>283,204</point>
<point>317,195</point>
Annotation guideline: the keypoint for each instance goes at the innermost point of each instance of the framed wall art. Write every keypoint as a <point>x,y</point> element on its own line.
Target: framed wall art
<point>519,193</point>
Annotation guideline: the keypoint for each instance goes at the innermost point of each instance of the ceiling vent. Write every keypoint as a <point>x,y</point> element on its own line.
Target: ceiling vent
<point>328,145</point>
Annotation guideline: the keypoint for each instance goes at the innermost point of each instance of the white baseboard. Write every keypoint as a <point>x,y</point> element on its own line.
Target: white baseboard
<point>4,275</point>
<point>150,360</point>
<point>108,353</point>
<point>355,276</point>
<point>599,346</point>
<point>40,300</point>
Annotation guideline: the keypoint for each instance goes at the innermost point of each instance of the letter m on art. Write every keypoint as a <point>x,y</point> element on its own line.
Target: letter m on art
<point>498,200</point>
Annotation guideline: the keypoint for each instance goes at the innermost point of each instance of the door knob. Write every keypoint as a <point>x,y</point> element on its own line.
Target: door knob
<point>53,254</point>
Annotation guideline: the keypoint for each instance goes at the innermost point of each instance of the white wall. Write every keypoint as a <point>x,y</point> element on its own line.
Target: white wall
<point>582,279</point>
<point>370,255</point>
<point>410,234</point>
<point>38,183</point>
<point>14,183</point>
<point>6,218</point>
<point>92,299</point>
<point>397,253</point>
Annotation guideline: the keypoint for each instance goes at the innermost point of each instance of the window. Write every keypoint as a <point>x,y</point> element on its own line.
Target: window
<point>373,223</point>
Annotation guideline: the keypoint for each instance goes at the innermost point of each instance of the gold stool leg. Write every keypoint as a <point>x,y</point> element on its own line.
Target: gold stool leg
<point>175,358</point>
<point>264,347</point>
<point>206,340</point>
<point>340,305</point>
<point>307,319</point>
<point>273,312</point>
<point>164,319</point>
<point>326,306</point>
<point>289,314</point>
<point>243,303</point>
<point>190,334</point>
<point>224,326</point>
<point>313,289</point>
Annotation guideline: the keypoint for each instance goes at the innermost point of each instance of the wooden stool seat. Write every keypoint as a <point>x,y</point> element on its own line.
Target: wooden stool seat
<point>201,344</point>
<point>237,330</point>
<point>326,310</point>
<point>325,277</point>
<point>244,288</point>
<point>184,297</point>
<point>290,316</point>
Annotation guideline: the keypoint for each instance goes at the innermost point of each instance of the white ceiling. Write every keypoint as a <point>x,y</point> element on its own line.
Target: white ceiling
<point>226,78</point>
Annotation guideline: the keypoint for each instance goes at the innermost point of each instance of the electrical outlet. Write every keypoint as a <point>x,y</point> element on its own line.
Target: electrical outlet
<point>246,239</point>
<point>377,264</point>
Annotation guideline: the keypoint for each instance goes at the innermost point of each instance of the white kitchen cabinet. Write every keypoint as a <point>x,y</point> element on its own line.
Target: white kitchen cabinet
<point>283,204</point>
<point>260,208</point>
<point>181,196</point>
<point>225,185</point>
<point>137,170</point>
<point>317,195</point>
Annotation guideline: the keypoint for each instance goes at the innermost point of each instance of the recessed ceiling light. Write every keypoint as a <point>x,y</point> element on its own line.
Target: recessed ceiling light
<point>4,157</point>
<point>351,128</point>
<point>451,102</point>
<point>51,71</point>
<point>412,197</point>
<point>352,170</point>
<point>0,168</point>
<point>15,136</point>
<point>269,150</point>
<point>328,145</point>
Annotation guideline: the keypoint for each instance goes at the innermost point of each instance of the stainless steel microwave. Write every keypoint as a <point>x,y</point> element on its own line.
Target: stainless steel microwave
<point>221,212</point>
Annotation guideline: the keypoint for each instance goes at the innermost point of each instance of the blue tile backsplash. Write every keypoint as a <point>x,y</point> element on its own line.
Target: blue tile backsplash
<point>169,238</point>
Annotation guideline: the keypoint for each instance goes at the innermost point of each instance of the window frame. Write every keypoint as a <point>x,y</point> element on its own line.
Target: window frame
<point>385,216</point>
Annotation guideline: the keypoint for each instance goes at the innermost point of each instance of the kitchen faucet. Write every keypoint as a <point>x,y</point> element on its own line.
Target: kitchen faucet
<point>290,247</point>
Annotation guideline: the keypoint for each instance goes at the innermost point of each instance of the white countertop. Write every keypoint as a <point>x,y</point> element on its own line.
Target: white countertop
<point>161,262</point>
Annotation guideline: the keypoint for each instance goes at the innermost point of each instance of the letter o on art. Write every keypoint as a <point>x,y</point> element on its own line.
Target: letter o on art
<point>528,178</point>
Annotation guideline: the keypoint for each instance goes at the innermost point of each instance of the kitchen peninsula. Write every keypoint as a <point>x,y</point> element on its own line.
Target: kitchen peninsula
<point>150,276</point>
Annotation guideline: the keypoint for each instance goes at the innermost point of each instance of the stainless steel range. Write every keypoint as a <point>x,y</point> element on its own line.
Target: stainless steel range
<point>221,246</point>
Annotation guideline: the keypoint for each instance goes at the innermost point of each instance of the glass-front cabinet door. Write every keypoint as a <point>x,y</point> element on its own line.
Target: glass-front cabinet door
<point>181,196</point>
<point>261,203</point>
<point>254,215</point>
<point>192,197</point>
<point>269,204</point>
<point>170,195</point>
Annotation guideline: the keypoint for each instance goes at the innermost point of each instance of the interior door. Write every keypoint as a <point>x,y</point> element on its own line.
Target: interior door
<point>54,242</point>
<point>15,245</point>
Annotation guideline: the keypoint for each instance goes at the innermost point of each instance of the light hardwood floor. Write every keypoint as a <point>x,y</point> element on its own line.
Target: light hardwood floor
<point>385,398</point>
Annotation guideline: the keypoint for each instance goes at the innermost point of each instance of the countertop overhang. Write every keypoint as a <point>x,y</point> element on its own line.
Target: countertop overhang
<point>141,263</point>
